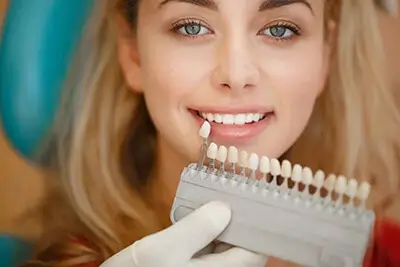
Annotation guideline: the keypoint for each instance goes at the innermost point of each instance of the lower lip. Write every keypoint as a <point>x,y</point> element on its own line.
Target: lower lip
<point>236,133</point>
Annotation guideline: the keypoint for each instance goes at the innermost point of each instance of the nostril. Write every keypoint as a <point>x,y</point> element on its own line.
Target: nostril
<point>225,85</point>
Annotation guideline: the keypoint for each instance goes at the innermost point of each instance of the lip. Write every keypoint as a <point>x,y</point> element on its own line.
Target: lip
<point>226,133</point>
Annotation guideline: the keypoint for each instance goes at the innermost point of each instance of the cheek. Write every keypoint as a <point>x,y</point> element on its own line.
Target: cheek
<point>296,81</point>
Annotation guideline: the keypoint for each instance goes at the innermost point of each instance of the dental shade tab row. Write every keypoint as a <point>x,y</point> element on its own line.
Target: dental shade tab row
<point>249,171</point>
<point>279,210</point>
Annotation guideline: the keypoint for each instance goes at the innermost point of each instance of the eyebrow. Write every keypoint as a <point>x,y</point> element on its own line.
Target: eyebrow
<point>265,5</point>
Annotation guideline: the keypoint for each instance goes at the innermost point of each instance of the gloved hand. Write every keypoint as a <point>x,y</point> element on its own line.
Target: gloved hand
<point>176,245</point>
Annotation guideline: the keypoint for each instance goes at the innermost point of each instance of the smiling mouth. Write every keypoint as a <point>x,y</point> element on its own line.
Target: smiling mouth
<point>232,119</point>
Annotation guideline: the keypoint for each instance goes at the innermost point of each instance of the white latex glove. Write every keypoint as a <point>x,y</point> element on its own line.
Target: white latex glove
<point>176,245</point>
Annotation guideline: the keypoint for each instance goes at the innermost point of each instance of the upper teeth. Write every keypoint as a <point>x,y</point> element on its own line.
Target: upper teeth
<point>238,119</point>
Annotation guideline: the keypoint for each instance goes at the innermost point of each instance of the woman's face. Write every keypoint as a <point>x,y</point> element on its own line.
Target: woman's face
<point>252,68</point>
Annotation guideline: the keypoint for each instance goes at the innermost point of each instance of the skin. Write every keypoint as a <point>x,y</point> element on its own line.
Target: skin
<point>234,62</point>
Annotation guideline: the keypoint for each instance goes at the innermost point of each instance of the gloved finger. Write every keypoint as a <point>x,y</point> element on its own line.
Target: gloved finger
<point>234,257</point>
<point>177,244</point>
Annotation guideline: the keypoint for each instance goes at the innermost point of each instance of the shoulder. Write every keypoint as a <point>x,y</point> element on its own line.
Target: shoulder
<point>385,249</point>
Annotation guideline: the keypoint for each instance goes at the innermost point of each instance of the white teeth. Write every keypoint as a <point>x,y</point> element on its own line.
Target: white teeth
<point>222,154</point>
<point>264,165</point>
<point>205,130</point>
<point>286,169</point>
<point>232,154</point>
<point>228,119</point>
<point>212,151</point>
<point>238,119</point>
<point>243,159</point>
<point>275,167</point>
<point>253,162</point>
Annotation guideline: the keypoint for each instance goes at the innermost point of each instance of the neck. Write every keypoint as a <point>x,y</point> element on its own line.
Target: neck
<point>167,172</point>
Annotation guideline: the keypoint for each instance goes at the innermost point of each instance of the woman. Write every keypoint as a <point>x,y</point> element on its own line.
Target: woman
<point>310,71</point>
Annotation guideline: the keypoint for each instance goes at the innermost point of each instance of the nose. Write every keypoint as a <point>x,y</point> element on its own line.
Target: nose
<point>235,68</point>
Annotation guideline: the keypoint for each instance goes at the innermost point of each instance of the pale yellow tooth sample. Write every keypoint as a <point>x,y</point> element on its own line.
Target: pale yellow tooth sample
<point>319,179</point>
<point>243,159</point>
<point>363,191</point>
<point>341,185</point>
<point>212,151</point>
<point>307,176</point>
<point>351,191</point>
<point>222,154</point>
<point>286,169</point>
<point>329,183</point>
<point>297,173</point>
<point>253,162</point>
<point>275,167</point>
<point>264,165</point>
<point>233,154</point>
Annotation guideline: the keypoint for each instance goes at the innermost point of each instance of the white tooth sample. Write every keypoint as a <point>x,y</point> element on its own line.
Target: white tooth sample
<point>286,169</point>
<point>340,188</point>
<point>363,193</point>
<point>243,159</point>
<point>352,185</point>
<point>341,185</point>
<point>264,168</point>
<point>319,179</point>
<point>222,154</point>
<point>329,183</point>
<point>297,173</point>
<point>212,151</point>
<point>205,130</point>
<point>253,162</point>
<point>264,165</point>
<point>306,179</point>
<point>240,119</point>
<point>318,182</point>
<point>233,155</point>
<point>286,172</point>
<point>351,191</point>
<point>275,171</point>
<point>275,167</point>
<point>307,176</point>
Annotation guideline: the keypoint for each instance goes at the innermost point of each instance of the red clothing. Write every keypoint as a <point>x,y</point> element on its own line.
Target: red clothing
<point>384,251</point>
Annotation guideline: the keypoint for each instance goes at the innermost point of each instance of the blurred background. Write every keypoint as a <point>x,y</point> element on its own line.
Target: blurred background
<point>21,184</point>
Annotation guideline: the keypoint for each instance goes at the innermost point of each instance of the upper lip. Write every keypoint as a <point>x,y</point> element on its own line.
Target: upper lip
<point>233,110</point>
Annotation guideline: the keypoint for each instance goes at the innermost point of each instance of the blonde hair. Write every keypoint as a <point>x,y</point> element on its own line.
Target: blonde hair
<point>104,153</point>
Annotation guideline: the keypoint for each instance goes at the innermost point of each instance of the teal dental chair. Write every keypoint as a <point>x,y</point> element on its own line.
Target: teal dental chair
<point>37,42</point>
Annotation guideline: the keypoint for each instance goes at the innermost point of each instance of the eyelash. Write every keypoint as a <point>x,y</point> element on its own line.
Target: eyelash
<point>284,24</point>
<point>177,26</point>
